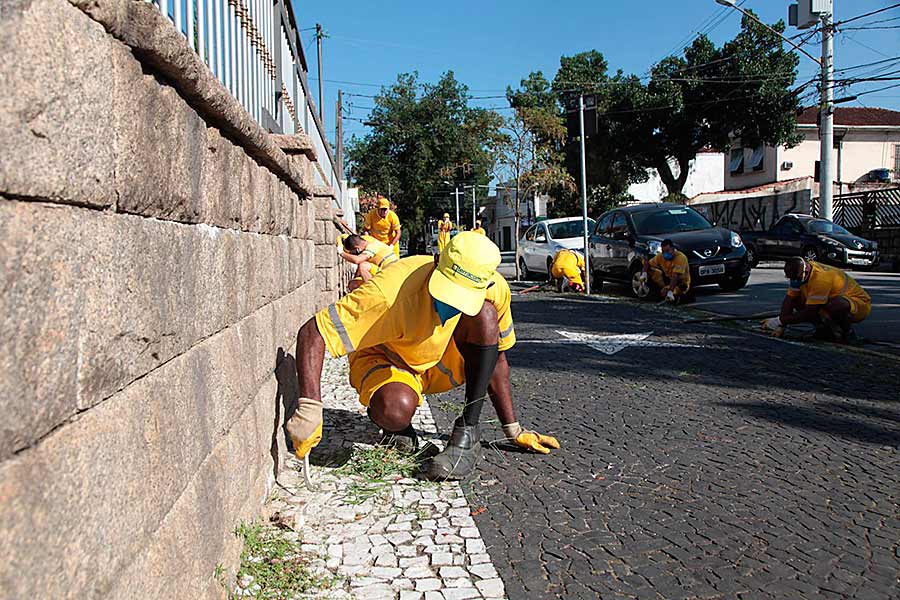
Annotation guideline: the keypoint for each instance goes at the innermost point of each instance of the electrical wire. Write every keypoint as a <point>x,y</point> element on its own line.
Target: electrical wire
<point>868,14</point>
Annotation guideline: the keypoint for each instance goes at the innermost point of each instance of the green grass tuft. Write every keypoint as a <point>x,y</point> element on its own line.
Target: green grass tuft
<point>373,470</point>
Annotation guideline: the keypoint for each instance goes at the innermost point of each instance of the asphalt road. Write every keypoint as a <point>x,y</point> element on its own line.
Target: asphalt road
<point>731,466</point>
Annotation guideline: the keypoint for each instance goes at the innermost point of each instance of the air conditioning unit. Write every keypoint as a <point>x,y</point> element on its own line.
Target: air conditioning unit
<point>805,13</point>
<point>787,165</point>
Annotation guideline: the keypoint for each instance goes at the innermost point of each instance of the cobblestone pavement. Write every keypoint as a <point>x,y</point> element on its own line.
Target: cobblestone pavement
<point>414,540</point>
<point>736,467</point>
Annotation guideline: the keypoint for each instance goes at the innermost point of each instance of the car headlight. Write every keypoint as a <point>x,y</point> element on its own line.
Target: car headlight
<point>655,247</point>
<point>830,241</point>
<point>736,241</point>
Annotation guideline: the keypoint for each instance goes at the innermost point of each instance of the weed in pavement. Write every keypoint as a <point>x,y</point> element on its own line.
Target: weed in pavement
<point>272,566</point>
<point>373,470</point>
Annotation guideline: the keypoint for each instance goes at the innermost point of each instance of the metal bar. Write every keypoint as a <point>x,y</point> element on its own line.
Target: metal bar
<point>177,12</point>
<point>209,33</point>
<point>226,37</point>
<point>584,210</point>
<point>201,29</point>
<point>190,24</point>
<point>164,7</point>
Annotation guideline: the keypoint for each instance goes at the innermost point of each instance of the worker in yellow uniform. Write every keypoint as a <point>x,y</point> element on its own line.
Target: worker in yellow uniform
<point>670,273</point>
<point>445,226</point>
<point>479,228</point>
<point>368,254</point>
<point>383,224</point>
<point>423,326</point>
<point>567,270</point>
<point>824,296</point>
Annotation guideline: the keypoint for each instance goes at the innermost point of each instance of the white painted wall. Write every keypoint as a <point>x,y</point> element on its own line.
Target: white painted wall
<point>707,174</point>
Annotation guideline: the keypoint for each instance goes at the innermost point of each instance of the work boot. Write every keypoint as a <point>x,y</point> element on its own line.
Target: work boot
<point>459,457</point>
<point>849,337</point>
<point>405,441</point>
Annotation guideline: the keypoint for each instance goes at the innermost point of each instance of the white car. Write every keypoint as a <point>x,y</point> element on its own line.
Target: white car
<point>541,242</point>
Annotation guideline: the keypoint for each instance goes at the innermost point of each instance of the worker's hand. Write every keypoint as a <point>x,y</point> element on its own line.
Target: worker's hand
<point>305,426</point>
<point>643,277</point>
<point>530,440</point>
<point>670,296</point>
<point>773,326</point>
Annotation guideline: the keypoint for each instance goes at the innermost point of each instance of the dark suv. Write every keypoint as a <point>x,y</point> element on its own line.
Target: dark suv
<point>624,236</point>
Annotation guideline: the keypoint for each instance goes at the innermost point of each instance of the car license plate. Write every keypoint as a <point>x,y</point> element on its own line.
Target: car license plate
<point>860,261</point>
<point>712,270</point>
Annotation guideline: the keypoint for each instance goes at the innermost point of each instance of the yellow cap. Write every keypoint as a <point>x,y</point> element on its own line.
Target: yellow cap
<point>478,223</point>
<point>341,238</point>
<point>446,215</point>
<point>464,271</point>
<point>384,203</point>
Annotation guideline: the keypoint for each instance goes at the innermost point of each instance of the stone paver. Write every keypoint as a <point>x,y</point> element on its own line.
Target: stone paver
<point>744,467</point>
<point>414,540</point>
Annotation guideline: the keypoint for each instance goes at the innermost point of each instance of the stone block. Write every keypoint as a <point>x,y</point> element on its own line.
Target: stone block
<point>58,138</point>
<point>83,320</point>
<point>91,496</point>
<point>223,184</point>
<point>161,146</point>
<point>326,256</point>
<point>324,209</point>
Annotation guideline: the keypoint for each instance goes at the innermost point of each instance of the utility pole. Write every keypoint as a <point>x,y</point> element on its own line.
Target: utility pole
<point>319,37</point>
<point>584,210</point>
<point>339,136</point>
<point>474,208</point>
<point>456,194</point>
<point>826,116</point>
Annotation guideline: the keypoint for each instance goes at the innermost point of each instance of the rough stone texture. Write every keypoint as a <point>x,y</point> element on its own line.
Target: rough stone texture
<point>81,324</point>
<point>57,121</point>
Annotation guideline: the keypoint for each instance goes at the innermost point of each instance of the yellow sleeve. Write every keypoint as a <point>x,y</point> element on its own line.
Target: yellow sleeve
<point>500,296</point>
<point>793,292</point>
<point>681,265</point>
<point>654,262</point>
<point>356,321</point>
<point>817,291</point>
<point>581,262</point>
<point>395,221</point>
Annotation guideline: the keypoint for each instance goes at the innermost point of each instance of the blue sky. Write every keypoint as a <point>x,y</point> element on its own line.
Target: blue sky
<point>492,44</point>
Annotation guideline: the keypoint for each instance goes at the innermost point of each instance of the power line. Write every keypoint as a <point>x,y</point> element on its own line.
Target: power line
<point>881,89</point>
<point>868,14</point>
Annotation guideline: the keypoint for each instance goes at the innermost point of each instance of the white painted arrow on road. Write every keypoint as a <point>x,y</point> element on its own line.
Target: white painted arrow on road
<point>609,344</point>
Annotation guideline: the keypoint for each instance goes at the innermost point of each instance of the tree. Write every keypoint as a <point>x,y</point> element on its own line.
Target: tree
<point>706,99</point>
<point>419,131</point>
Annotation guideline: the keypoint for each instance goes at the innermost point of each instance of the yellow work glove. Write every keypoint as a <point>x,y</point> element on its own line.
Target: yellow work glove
<point>305,426</point>
<point>530,440</point>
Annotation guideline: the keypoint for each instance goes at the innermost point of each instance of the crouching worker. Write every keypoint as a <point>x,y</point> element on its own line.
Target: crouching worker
<point>567,271</point>
<point>368,254</point>
<point>670,273</point>
<point>824,296</point>
<point>423,326</point>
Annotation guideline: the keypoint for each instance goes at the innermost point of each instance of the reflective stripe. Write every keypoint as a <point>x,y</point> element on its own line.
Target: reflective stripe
<point>372,370</point>
<point>392,257</point>
<point>339,327</point>
<point>393,356</point>
<point>825,297</point>
<point>846,285</point>
<point>446,371</point>
<point>507,331</point>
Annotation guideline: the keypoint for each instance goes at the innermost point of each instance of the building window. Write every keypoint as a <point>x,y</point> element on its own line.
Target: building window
<point>757,159</point>
<point>736,165</point>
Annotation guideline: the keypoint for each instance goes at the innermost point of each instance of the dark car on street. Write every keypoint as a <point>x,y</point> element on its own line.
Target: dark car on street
<point>624,236</point>
<point>813,239</point>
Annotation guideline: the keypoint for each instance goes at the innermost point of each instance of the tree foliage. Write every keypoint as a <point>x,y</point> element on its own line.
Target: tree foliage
<point>422,134</point>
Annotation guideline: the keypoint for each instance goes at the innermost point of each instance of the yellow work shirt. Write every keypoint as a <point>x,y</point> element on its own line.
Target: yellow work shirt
<point>678,265</point>
<point>569,264</point>
<point>826,283</point>
<point>395,312</point>
<point>479,230</point>
<point>378,253</point>
<point>384,229</point>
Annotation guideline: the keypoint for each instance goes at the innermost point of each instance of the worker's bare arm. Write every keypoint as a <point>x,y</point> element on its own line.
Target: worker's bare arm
<point>310,356</point>
<point>354,258</point>
<point>501,392</point>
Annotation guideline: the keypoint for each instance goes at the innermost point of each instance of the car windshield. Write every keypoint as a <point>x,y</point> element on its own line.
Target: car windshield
<point>669,220</point>
<point>822,226</point>
<point>569,229</point>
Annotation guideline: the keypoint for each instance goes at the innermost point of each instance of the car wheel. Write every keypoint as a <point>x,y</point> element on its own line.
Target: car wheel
<point>810,253</point>
<point>596,283</point>
<point>751,256</point>
<point>733,284</point>
<point>549,267</point>
<point>640,289</point>
<point>524,273</point>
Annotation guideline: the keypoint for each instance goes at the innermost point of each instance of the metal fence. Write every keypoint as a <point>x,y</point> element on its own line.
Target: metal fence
<point>868,210</point>
<point>254,49</point>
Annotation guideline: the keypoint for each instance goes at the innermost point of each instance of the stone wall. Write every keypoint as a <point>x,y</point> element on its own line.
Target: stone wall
<point>158,253</point>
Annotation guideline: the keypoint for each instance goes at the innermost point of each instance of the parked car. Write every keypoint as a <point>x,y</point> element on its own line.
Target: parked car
<point>811,238</point>
<point>878,176</point>
<point>625,236</point>
<point>540,243</point>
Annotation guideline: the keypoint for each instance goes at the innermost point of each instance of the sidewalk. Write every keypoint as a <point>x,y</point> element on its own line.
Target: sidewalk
<point>391,538</point>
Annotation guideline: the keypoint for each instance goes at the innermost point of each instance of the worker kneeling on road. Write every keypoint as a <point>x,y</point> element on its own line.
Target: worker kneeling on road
<point>567,270</point>
<point>422,326</point>
<point>670,273</point>
<point>822,295</point>
<point>368,254</point>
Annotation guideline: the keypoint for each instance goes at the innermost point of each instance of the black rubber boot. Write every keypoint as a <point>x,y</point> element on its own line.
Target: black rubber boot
<point>404,441</point>
<point>459,458</point>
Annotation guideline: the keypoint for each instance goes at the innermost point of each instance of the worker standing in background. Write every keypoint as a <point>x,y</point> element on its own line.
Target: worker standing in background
<point>383,224</point>
<point>824,296</point>
<point>670,272</point>
<point>368,254</point>
<point>422,326</point>
<point>479,228</point>
<point>445,226</point>
<point>567,270</point>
